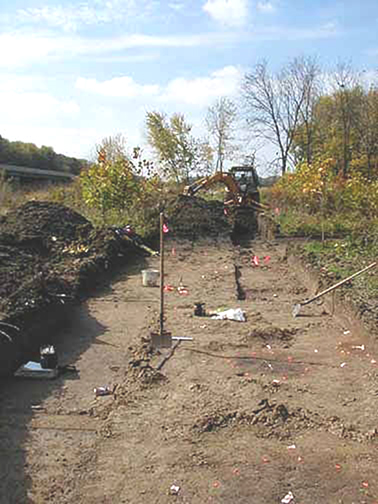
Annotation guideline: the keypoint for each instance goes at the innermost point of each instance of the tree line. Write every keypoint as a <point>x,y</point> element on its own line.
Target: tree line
<point>309,113</point>
<point>44,158</point>
<point>306,112</point>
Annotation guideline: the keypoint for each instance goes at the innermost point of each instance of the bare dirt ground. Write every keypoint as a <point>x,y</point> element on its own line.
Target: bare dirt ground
<point>246,413</point>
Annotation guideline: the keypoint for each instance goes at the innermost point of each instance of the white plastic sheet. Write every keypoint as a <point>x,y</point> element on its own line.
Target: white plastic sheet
<point>231,314</point>
<point>288,498</point>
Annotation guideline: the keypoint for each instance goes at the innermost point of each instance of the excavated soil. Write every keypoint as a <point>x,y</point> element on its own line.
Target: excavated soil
<point>245,412</point>
<point>49,256</point>
<point>191,217</point>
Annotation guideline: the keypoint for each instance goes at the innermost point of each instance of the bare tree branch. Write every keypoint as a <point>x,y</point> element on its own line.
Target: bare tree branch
<point>275,104</point>
<point>220,122</point>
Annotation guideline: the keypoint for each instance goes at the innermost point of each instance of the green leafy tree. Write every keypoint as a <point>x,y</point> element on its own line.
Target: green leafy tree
<point>108,185</point>
<point>177,151</point>
<point>345,128</point>
<point>367,130</point>
<point>119,181</point>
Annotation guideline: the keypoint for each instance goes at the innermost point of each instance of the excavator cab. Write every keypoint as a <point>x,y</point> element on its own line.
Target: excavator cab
<point>248,182</point>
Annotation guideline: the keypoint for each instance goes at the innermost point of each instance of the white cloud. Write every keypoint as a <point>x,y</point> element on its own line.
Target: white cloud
<point>67,140</point>
<point>122,87</point>
<point>36,107</point>
<point>21,83</point>
<point>16,49</point>
<point>265,7</point>
<point>126,58</point>
<point>369,78</point>
<point>227,12</point>
<point>272,33</point>
<point>176,6</point>
<point>178,41</point>
<point>329,26</point>
<point>72,17</point>
<point>25,49</point>
<point>201,91</point>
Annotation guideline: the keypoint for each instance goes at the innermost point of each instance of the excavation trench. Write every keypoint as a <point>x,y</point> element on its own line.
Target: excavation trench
<point>244,413</point>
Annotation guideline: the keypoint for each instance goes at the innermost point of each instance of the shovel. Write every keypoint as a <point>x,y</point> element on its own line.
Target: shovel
<point>297,307</point>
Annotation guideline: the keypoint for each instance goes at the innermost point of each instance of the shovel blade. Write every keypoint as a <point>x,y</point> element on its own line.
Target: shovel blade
<point>296,310</point>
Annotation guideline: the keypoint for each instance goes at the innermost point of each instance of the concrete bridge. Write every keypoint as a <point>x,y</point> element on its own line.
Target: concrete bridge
<point>23,172</point>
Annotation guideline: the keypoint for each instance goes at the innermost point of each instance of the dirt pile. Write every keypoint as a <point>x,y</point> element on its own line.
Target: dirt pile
<point>42,222</point>
<point>268,420</point>
<point>193,217</point>
<point>271,334</point>
<point>34,240</point>
<point>49,255</point>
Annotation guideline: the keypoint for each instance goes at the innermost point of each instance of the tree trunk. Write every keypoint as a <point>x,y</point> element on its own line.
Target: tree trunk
<point>283,164</point>
<point>369,165</point>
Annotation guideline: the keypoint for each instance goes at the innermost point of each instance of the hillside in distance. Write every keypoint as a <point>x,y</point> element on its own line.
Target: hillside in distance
<point>45,158</point>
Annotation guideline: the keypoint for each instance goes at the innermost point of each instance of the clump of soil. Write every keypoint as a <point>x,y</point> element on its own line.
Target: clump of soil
<point>212,421</point>
<point>193,217</point>
<point>284,336</point>
<point>140,369</point>
<point>278,420</point>
<point>268,420</point>
<point>49,256</point>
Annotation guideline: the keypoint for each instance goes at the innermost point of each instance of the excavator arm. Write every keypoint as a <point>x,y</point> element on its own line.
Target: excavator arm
<point>206,182</point>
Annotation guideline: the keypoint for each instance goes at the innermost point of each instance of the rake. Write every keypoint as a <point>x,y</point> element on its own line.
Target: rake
<point>297,307</point>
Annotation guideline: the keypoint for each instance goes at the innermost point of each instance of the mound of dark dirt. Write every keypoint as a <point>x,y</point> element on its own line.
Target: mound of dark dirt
<point>49,256</point>
<point>193,217</point>
<point>34,240</point>
<point>42,223</point>
<point>271,334</point>
<point>268,420</point>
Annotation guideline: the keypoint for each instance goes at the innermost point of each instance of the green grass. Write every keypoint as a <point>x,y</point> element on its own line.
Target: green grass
<point>339,259</point>
<point>299,223</point>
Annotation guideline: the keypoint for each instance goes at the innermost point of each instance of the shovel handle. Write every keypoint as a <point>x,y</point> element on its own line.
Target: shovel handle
<point>333,287</point>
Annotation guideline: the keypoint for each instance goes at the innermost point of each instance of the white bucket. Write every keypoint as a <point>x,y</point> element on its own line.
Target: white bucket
<point>150,277</point>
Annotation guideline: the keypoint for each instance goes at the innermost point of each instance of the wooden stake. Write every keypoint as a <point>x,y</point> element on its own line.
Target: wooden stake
<point>161,274</point>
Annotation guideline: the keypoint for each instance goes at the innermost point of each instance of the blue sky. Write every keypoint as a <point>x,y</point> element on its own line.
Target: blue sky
<point>74,72</point>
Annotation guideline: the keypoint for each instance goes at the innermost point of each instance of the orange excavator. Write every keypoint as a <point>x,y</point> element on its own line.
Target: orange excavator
<point>242,200</point>
<point>242,187</point>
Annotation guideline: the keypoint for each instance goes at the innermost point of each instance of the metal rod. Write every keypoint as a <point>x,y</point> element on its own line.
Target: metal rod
<point>6,336</point>
<point>338,284</point>
<point>10,325</point>
<point>161,273</point>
